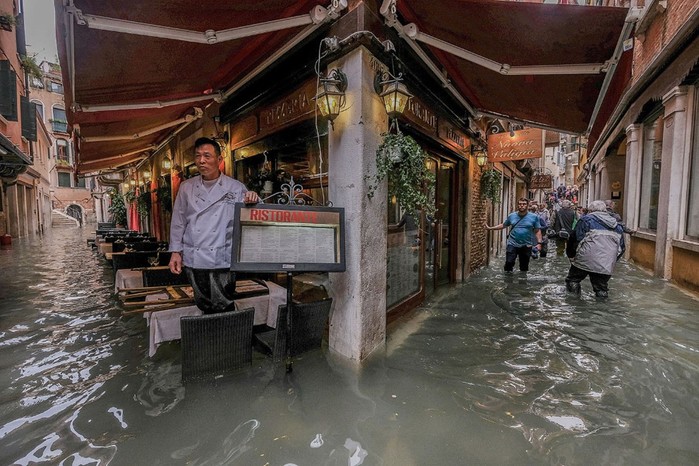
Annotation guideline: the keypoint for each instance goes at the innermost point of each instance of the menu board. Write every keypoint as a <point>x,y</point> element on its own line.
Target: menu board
<point>282,238</point>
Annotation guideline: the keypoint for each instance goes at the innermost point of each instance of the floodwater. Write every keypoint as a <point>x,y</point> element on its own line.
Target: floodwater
<point>500,370</point>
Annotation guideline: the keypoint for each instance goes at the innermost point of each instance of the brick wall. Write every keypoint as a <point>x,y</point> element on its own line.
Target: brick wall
<point>659,33</point>
<point>478,241</point>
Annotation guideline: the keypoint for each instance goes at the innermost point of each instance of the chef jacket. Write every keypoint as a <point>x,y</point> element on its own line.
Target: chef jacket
<point>202,222</point>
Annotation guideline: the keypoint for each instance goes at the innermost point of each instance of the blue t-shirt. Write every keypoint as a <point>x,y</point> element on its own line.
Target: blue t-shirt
<point>522,233</point>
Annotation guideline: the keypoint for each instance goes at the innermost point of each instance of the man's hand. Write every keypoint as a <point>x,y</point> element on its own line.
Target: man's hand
<point>251,197</point>
<point>175,263</point>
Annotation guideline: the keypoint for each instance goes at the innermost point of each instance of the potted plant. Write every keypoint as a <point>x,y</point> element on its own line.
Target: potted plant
<point>491,181</point>
<point>30,66</point>
<point>402,162</point>
<point>7,20</point>
<point>117,208</point>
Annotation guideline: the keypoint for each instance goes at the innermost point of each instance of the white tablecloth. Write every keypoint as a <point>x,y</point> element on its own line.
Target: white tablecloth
<point>165,325</point>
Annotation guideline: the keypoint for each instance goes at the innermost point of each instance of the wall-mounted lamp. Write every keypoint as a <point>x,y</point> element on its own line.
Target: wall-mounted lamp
<point>146,175</point>
<point>167,163</point>
<point>393,92</point>
<point>480,153</point>
<point>132,182</point>
<point>330,97</point>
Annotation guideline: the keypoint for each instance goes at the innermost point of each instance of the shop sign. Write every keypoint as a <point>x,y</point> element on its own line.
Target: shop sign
<point>541,182</point>
<point>526,144</point>
<point>453,137</point>
<point>419,114</point>
<point>291,108</point>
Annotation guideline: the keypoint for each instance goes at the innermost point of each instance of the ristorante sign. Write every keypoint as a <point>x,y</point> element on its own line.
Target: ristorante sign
<point>525,144</point>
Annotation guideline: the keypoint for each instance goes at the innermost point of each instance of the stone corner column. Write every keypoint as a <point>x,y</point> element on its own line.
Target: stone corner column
<point>358,323</point>
<point>672,173</point>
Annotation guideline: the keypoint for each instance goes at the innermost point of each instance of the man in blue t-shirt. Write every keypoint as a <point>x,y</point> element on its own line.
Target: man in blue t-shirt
<point>525,227</point>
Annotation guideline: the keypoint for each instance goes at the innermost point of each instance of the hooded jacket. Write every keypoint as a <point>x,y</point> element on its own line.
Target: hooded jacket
<point>597,243</point>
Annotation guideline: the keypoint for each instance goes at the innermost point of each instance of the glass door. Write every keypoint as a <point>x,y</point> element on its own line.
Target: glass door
<point>438,228</point>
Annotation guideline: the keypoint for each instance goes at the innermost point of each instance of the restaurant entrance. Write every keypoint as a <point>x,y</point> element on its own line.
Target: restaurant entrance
<point>438,255</point>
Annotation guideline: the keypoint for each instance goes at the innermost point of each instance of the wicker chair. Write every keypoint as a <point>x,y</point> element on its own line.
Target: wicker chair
<point>308,321</point>
<point>215,344</point>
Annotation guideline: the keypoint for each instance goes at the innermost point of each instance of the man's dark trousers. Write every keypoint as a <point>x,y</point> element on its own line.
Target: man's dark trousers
<point>524,253</point>
<point>600,281</point>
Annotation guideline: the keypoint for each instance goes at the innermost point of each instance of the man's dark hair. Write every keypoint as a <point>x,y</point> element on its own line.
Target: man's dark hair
<point>202,141</point>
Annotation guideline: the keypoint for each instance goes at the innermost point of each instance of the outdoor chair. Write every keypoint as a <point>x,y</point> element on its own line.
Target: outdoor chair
<point>216,344</point>
<point>130,260</point>
<point>308,321</point>
<point>163,277</point>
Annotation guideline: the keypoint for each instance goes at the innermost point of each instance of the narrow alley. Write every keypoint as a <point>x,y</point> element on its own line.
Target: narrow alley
<point>497,370</point>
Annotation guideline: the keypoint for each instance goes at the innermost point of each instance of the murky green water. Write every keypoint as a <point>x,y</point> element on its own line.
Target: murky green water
<point>499,370</point>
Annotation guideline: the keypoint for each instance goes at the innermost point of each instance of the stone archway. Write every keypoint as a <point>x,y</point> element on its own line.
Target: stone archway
<point>76,212</point>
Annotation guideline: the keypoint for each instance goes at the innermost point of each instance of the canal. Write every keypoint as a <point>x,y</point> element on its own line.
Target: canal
<point>499,370</point>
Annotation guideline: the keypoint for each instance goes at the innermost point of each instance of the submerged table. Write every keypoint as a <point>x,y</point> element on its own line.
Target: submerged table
<point>165,325</point>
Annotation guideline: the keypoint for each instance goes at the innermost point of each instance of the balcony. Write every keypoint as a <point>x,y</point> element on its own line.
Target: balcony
<point>59,126</point>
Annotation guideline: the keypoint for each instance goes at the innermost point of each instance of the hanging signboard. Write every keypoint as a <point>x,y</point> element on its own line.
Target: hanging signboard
<point>284,238</point>
<point>525,144</point>
<point>541,182</point>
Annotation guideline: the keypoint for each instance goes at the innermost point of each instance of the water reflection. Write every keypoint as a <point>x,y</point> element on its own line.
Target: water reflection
<point>505,369</point>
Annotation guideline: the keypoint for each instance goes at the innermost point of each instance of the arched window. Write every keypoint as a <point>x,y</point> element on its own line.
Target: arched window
<point>39,109</point>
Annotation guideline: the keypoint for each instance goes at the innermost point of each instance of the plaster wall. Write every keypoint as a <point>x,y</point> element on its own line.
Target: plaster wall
<point>358,321</point>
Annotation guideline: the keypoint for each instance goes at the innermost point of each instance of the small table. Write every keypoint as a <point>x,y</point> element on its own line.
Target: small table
<point>165,325</point>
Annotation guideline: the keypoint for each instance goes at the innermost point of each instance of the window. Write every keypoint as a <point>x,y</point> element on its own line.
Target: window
<point>37,83</point>
<point>59,122</point>
<point>39,109</point>
<point>81,183</point>
<point>693,201</point>
<point>62,152</point>
<point>64,179</point>
<point>650,171</point>
<point>56,87</point>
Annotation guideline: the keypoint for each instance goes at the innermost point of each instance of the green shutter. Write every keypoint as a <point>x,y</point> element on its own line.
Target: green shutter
<point>8,91</point>
<point>28,118</point>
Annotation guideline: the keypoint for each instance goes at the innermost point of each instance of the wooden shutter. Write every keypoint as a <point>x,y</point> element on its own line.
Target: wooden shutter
<point>8,91</point>
<point>28,118</point>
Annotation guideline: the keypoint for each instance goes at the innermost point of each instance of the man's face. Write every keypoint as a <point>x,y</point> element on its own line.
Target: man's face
<point>522,206</point>
<point>207,161</point>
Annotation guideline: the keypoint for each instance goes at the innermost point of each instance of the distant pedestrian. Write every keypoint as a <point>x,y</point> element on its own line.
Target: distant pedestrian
<point>520,239</point>
<point>563,225</point>
<point>611,210</point>
<point>594,248</point>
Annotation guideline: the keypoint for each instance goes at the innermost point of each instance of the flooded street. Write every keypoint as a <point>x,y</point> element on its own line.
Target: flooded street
<point>499,370</point>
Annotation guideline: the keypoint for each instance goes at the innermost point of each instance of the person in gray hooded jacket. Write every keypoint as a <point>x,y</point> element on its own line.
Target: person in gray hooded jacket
<point>594,248</point>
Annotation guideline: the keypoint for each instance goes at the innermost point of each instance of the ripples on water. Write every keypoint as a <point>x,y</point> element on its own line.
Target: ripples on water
<point>500,370</point>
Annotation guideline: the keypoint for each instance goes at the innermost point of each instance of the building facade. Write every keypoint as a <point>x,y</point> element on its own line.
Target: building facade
<point>647,158</point>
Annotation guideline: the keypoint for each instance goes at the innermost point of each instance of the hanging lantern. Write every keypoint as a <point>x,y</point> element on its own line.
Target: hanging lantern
<point>393,93</point>
<point>330,97</point>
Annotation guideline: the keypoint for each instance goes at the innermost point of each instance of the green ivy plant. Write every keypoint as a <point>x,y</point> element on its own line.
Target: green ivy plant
<point>491,180</point>
<point>117,207</point>
<point>164,195</point>
<point>30,66</point>
<point>401,161</point>
<point>143,203</point>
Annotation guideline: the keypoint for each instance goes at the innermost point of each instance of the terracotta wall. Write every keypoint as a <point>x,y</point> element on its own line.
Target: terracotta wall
<point>684,268</point>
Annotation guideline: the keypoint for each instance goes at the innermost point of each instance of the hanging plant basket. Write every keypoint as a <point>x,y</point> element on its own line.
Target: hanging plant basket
<point>402,162</point>
<point>117,207</point>
<point>491,182</point>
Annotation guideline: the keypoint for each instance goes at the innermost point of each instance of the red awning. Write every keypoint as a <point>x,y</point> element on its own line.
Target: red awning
<point>505,57</point>
<point>131,67</point>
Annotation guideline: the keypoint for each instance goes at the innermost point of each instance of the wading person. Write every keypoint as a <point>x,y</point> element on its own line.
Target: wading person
<point>563,225</point>
<point>525,227</point>
<point>201,232</point>
<point>594,248</point>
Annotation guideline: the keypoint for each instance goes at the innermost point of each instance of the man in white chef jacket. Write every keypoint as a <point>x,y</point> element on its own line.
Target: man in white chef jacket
<point>201,232</point>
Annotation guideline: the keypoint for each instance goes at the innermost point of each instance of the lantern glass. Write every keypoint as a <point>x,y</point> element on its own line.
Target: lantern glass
<point>330,96</point>
<point>146,175</point>
<point>132,182</point>
<point>395,97</point>
<point>481,158</point>
<point>167,164</point>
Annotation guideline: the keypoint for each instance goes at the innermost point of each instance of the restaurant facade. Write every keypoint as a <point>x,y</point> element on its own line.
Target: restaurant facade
<point>272,133</point>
